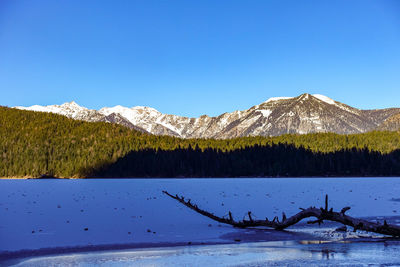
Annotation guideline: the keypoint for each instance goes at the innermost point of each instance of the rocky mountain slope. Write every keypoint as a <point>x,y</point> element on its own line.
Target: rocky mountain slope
<point>391,124</point>
<point>278,115</point>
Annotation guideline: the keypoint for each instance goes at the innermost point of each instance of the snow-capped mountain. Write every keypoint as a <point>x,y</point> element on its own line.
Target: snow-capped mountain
<point>71,110</point>
<point>278,115</point>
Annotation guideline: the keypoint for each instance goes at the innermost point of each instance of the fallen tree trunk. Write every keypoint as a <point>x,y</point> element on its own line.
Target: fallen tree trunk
<point>320,214</point>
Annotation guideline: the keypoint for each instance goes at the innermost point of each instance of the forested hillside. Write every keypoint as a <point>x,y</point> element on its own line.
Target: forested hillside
<point>258,161</point>
<point>33,144</point>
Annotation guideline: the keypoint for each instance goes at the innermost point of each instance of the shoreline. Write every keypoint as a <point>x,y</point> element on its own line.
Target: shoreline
<point>26,253</point>
<point>183,178</point>
<point>14,257</point>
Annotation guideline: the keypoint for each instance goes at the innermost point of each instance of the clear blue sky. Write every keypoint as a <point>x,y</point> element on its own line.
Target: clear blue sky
<point>198,57</point>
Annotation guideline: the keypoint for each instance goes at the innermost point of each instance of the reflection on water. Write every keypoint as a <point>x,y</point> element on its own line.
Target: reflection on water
<point>247,254</point>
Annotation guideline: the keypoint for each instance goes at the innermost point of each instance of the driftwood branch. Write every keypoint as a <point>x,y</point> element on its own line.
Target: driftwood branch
<point>320,214</point>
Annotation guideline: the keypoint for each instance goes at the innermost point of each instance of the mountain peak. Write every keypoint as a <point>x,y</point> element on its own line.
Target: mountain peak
<point>304,96</point>
<point>302,114</point>
<point>71,104</point>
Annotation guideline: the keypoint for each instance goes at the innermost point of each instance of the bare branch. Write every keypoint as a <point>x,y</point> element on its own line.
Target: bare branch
<point>344,210</point>
<point>326,202</point>
<point>320,214</point>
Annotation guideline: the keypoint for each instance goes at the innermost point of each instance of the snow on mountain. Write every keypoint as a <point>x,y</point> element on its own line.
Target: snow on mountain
<point>147,118</point>
<point>134,115</point>
<point>325,99</point>
<point>278,115</point>
<point>271,99</point>
<point>265,112</point>
<point>70,109</point>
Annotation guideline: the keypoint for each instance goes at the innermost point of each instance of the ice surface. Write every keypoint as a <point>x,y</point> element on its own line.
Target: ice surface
<point>54,213</point>
<point>248,254</point>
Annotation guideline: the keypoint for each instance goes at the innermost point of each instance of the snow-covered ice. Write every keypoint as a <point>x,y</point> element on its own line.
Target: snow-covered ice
<point>38,214</point>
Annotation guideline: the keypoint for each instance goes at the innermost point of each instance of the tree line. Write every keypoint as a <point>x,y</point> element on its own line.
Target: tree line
<point>281,160</point>
<point>33,144</point>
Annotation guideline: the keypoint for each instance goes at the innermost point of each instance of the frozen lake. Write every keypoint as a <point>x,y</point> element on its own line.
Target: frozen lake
<point>247,254</point>
<point>85,215</point>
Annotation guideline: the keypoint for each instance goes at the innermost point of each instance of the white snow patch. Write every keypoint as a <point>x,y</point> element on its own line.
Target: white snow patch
<point>224,119</point>
<point>277,98</point>
<point>325,99</point>
<point>34,108</point>
<point>333,102</point>
<point>265,112</point>
<point>162,121</point>
<point>144,117</point>
<point>70,109</point>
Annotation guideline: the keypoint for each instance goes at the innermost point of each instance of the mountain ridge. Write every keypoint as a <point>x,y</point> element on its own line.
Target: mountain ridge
<point>303,114</point>
<point>392,123</point>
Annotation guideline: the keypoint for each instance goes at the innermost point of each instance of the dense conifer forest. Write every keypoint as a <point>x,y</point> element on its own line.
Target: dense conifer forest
<point>33,144</point>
